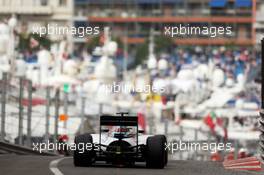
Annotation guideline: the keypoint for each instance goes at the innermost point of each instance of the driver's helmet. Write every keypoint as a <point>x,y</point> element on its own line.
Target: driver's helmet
<point>121,131</point>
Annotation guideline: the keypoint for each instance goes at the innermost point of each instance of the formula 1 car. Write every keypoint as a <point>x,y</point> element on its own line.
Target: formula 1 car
<point>120,142</point>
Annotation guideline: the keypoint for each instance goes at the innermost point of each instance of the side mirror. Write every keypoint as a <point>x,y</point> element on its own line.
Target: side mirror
<point>141,131</point>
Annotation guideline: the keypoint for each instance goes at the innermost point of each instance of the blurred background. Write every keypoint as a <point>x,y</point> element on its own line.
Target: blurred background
<point>51,86</point>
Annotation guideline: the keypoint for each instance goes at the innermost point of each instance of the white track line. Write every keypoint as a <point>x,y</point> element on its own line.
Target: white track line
<point>53,166</point>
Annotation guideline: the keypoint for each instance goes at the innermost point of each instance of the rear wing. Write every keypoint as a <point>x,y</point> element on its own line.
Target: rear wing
<point>107,120</point>
<point>120,120</point>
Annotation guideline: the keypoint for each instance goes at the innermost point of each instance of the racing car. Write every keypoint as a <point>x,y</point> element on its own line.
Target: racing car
<point>120,142</point>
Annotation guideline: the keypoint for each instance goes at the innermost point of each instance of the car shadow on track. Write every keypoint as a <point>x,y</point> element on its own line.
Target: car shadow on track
<point>105,165</point>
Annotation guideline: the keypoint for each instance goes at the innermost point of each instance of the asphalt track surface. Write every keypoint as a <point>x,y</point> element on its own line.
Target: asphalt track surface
<point>41,165</point>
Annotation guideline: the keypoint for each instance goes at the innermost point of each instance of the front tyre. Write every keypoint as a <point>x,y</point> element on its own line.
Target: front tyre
<point>156,155</point>
<point>83,157</point>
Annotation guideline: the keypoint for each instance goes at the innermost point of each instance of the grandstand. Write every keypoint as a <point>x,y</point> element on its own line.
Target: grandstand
<point>134,18</point>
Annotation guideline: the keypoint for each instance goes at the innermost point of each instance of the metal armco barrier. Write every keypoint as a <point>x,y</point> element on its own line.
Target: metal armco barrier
<point>21,150</point>
<point>261,120</point>
<point>3,105</point>
<point>261,137</point>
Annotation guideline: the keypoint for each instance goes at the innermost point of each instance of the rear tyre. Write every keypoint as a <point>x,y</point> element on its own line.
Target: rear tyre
<point>83,157</point>
<point>166,151</point>
<point>156,156</point>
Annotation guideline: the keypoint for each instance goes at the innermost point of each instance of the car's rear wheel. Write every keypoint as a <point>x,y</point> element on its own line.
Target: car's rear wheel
<point>166,151</point>
<point>82,156</point>
<point>156,155</point>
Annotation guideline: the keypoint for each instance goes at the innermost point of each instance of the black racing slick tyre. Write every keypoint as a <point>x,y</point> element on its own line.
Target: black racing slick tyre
<point>156,155</point>
<point>83,157</point>
<point>166,151</point>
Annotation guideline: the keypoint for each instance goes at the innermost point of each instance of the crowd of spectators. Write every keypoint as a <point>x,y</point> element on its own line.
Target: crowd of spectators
<point>232,61</point>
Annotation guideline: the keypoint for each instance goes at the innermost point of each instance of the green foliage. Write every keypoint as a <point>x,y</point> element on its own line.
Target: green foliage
<point>95,41</point>
<point>230,45</point>
<point>24,42</point>
<point>141,53</point>
<point>162,45</point>
<point>92,43</point>
<point>43,41</point>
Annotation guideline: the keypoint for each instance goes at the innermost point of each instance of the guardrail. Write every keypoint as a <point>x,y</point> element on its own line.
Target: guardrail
<point>21,150</point>
<point>261,119</point>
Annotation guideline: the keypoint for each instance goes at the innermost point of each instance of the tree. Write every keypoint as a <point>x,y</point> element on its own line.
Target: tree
<point>96,41</point>
<point>25,45</point>
<point>163,44</point>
